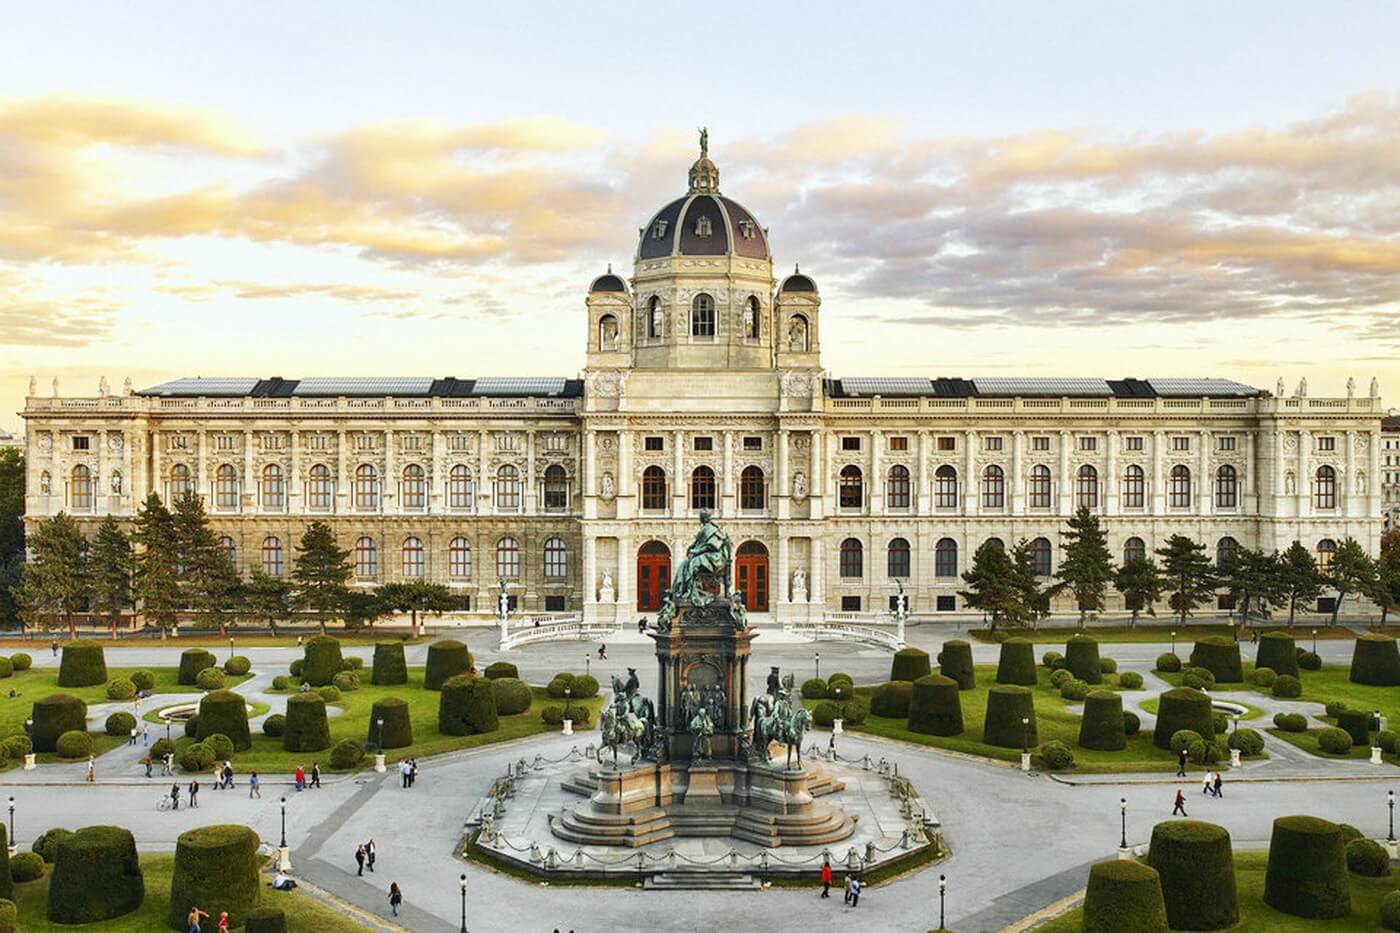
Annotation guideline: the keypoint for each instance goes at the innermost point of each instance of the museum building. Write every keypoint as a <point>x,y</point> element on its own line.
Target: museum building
<point>704,389</point>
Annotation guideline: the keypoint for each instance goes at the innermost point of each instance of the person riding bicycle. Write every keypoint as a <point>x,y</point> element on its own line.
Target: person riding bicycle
<point>174,796</point>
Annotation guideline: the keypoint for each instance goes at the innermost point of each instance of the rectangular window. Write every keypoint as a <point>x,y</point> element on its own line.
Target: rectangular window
<point>1040,443</point>
<point>1088,444</point>
<point>947,443</point>
<point>318,441</point>
<point>81,443</point>
<point>224,442</point>
<point>272,442</point>
<point>556,442</point>
<point>179,442</point>
<point>899,443</point>
<point>947,604</point>
<point>654,443</point>
<point>753,443</point>
<point>1227,442</point>
<point>364,442</point>
<point>412,442</point>
<point>850,443</point>
<point>704,443</point>
<point>458,443</point>
<point>991,443</point>
<point>1326,443</point>
<point>850,604</point>
<point>466,604</point>
<point>554,604</point>
<point>1132,443</point>
<point>1181,443</point>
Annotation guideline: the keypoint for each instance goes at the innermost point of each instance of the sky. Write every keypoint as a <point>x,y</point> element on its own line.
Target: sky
<point>260,189</point>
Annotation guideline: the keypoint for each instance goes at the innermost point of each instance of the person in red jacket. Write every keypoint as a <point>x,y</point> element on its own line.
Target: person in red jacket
<point>826,879</point>
<point>1180,803</point>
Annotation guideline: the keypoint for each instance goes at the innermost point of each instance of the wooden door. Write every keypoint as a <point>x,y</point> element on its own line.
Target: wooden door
<point>751,575</point>
<point>653,575</point>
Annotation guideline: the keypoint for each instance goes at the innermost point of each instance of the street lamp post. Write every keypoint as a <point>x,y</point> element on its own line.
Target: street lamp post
<point>1173,641</point>
<point>587,663</point>
<point>1314,641</point>
<point>284,822</point>
<point>12,822</point>
<point>942,894</point>
<point>379,734</point>
<point>284,856</point>
<point>817,660</point>
<point>463,882</point>
<point>1390,802</point>
<point>1123,813</point>
<point>230,647</point>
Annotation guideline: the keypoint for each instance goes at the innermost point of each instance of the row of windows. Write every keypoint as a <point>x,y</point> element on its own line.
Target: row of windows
<point>413,557</point>
<point>752,488</point>
<point>702,317</point>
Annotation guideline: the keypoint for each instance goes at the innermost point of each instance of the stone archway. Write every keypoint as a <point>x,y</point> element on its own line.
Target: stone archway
<point>653,575</point>
<point>751,575</point>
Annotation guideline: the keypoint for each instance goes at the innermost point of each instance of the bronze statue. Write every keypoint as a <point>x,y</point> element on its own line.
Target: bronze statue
<point>702,727</point>
<point>706,560</point>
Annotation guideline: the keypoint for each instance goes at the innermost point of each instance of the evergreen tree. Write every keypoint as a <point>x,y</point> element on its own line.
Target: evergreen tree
<point>207,577</point>
<point>1252,577</point>
<point>109,573</point>
<point>321,573</point>
<point>1189,573</point>
<point>1087,565</point>
<point>417,596</point>
<point>1300,580</point>
<point>1385,591</point>
<point>1352,571</point>
<point>157,580</point>
<point>11,532</point>
<point>364,608</point>
<point>1034,597</point>
<point>264,598</point>
<point>992,587</point>
<point>1141,584</point>
<point>54,581</point>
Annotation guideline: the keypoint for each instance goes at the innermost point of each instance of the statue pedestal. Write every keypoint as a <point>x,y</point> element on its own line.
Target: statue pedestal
<point>702,788</point>
<point>607,595</point>
<point>1376,755</point>
<point>568,727</point>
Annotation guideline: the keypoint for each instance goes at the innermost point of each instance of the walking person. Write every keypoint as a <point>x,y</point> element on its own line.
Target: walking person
<point>1180,806</point>
<point>360,860</point>
<point>145,735</point>
<point>1207,785</point>
<point>315,774</point>
<point>602,652</point>
<point>395,898</point>
<point>404,770</point>
<point>92,768</point>
<point>228,775</point>
<point>53,646</point>
<point>413,772</point>
<point>147,762</point>
<point>132,740</point>
<point>855,891</point>
<point>193,919</point>
<point>218,776</point>
<point>1181,763</point>
<point>847,896</point>
<point>223,921</point>
<point>1219,792</point>
<point>174,796</point>
<point>194,793</point>
<point>369,855</point>
<point>826,879</point>
<point>299,776</point>
<point>165,765</point>
<point>253,789</point>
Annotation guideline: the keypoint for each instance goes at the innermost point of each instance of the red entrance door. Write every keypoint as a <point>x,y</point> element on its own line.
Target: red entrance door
<point>751,575</point>
<point>653,575</point>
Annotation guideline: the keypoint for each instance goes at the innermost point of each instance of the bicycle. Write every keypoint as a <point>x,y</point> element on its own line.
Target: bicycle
<point>164,803</point>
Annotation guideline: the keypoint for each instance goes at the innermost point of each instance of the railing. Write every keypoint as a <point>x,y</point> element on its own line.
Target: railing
<point>555,628</point>
<point>833,630</point>
<point>137,403</point>
<point>1073,406</point>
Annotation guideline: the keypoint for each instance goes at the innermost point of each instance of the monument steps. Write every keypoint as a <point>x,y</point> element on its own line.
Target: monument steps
<point>701,880</point>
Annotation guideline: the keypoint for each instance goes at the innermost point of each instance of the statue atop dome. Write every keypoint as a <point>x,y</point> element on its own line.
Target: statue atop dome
<point>704,176</point>
<point>704,142</point>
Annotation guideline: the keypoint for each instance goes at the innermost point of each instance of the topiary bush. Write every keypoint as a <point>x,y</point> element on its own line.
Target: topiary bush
<point>192,727</point>
<point>1108,665</point>
<point>955,663</point>
<point>1278,653</point>
<point>330,693</point>
<point>1130,680</point>
<point>1374,661</point>
<point>219,745</point>
<point>1132,723</point>
<point>296,668</point>
<point>1291,722</point>
<point>265,919</point>
<point>553,714</point>
<point>1124,895</point>
<point>352,663</point>
<point>120,690</point>
<point>825,713</point>
<point>1221,656</point>
<point>281,682</point>
<point>1056,756</point>
<point>1198,678</point>
<point>322,659</point>
<point>305,728</point>
<point>1388,741</point>
<point>934,706</point>
<point>498,669</point>
<point>1249,742</point>
<point>46,844</point>
<point>216,870</point>
<point>1367,858</point>
<point>1082,659</point>
<point>275,725</point>
<point>389,666</point>
<point>1357,724</point>
<point>813,688</point>
<point>1196,866</point>
<point>1287,688</point>
<point>82,664</point>
<point>192,661</point>
<point>1168,663</point>
<point>468,706</point>
<point>96,876</point>
<point>1334,741</point>
<point>1101,726</point>
<point>119,723</point>
<point>162,747</point>
<point>1309,661</point>
<point>346,681</point>
<point>196,758</point>
<point>1264,677</point>
<point>17,746</point>
<point>840,678</point>
<point>1307,873</point>
<point>26,866</point>
<point>585,686</point>
<point>1007,705</point>
<point>346,754</point>
<point>1058,678</point>
<point>1016,663</point>
<point>397,728</point>
<point>211,678</point>
<point>840,691</point>
<point>1390,911</point>
<point>74,744</point>
<point>891,699</point>
<point>237,666</point>
<point>559,683</point>
<point>446,659</point>
<point>512,695</point>
<point>1333,708</point>
<point>1182,708</point>
<point>1052,660</point>
<point>21,661</point>
<point>223,712</point>
<point>854,712</point>
<point>1074,690</point>
<point>1220,721</point>
<point>909,664</point>
<point>1183,739</point>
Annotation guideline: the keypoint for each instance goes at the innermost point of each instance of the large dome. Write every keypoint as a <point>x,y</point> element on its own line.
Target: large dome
<point>704,222</point>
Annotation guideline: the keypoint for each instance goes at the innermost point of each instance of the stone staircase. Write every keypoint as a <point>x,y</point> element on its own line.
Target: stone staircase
<point>699,879</point>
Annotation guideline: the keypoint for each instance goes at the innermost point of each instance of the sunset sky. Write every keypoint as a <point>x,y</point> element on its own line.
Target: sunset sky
<point>302,189</point>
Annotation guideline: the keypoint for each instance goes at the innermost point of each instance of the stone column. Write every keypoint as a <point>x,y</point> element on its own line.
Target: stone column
<point>437,479</point>
<point>780,592</point>
<point>590,574</point>
<point>343,502</point>
<point>531,492</point>
<point>201,468</point>
<point>1373,473</point>
<point>484,505</point>
<point>1110,480</point>
<point>100,480</point>
<point>1280,484</point>
<point>1250,504</point>
<point>1018,487</point>
<point>1065,481</point>
<point>1158,488</point>
<point>1348,485</point>
<point>157,480</point>
<point>249,480</point>
<point>969,478</point>
<point>680,485</point>
<point>626,498</point>
<point>294,484</point>
<point>726,483</point>
<point>389,497</point>
<point>590,479</point>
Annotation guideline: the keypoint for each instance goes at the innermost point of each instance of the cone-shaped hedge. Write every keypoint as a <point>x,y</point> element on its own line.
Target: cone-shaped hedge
<point>82,664</point>
<point>7,884</point>
<point>96,876</point>
<point>1017,662</point>
<point>1357,724</point>
<point>1375,661</point>
<point>934,706</point>
<point>1307,874</point>
<point>266,919</point>
<point>1007,705</point>
<point>306,728</point>
<point>1278,653</point>
<point>216,869</point>
<point>909,664</point>
<point>1182,708</point>
<point>1102,725</point>
<point>389,665</point>
<point>223,712</point>
<point>1082,659</point>
<point>1194,860</point>
<point>445,659</point>
<point>322,660</point>
<point>54,715</point>
<point>467,706</point>
<point>1220,656</point>
<point>192,661</point>
<point>1124,895</point>
<point>955,661</point>
<point>398,727</point>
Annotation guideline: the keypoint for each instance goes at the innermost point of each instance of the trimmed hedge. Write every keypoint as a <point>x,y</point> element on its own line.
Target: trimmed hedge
<point>346,681</point>
<point>21,661</point>
<point>1197,869</point>
<point>281,682</point>
<point>467,706</point>
<point>6,881</point>
<point>120,690</point>
<point>1168,663</point>
<point>161,746</point>
<point>275,725</point>
<point>498,669</point>
<point>910,664</point>
<point>397,731</point>
<point>1307,873</point>
<point>196,758</point>
<point>1374,661</point>
<point>1286,687</point>
<point>813,688</point>
<point>934,706</point>
<point>1182,708</point>
<point>330,693</point>
<point>82,664</point>
<point>585,686</point>
<point>446,659</point>
<point>1056,756</point>
<point>1248,741</point>
<point>1082,659</point>
<point>1367,858</point>
<point>1220,656</point>
<point>1101,727</point>
<point>306,728</point>
<point>1388,740</point>
<point>119,723</point>
<point>1278,652</point>
<point>211,678</point>
<point>854,712</point>
<point>1198,678</point>
<point>825,713</point>
<point>45,845</point>
<point>1016,663</point>
<point>96,876</point>
<point>26,866</point>
<point>295,668</point>
<point>955,662</point>
<point>1130,680</point>
<point>192,727</point>
<point>1074,690</point>
<point>1052,660</point>
<point>74,745</point>
<point>216,870</point>
<point>564,681</point>
<point>219,745</point>
<point>1309,661</point>
<point>512,695</point>
<point>1132,723</point>
<point>223,712</point>
<point>1265,676</point>
<point>192,661</point>
<point>265,919</point>
<point>322,660</point>
<point>1058,678</point>
<point>1390,911</point>
<point>1124,895</point>
<point>1357,724</point>
<point>891,699</point>
<point>1334,741</point>
<point>237,666</point>
<point>1007,705</point>
<point>346,754</point>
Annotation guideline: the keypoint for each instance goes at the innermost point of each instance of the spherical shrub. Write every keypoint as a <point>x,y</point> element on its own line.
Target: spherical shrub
<point>330,693</point>
<point>346,681</point>
<point>1249,742</point>
<point>266,919</point>
<point>1309,661</point>
<point>26,866</point>
<point>296,668</point>
<point>1350,832</point>
<point>1016,664</point>
<point>446,659</point>
<point>322,657</point>
<point>389,666</point>
<point>1333,708</point>
<point>1375,661</point>
<point>1074,690</point>
<point>814,688</point>
<point>839,691</point>
<point>1059,678</point>
<point>553,714</point>
<point>1056,756</point>
<point>909,664</point>
<point>1182,739</point>
<point>468,706</point>
<point>17,746</point>
<point>585,686</point>
<point>891,699</point>
<point>305,728</point>
<point>1291,722</point>
<point>119,723</point>
<point>1388,741</point>
<point>1334,741</point>
<point>955,662</point>
<point>559,683</point>
<point>934,706</point>
<point>1007,705</point>
<point>211,678</point>
<point>1287,688</point>
<point>1367,858</point>
<point>220,745</point>
<point>840,678</point>
<point>216,869</point>
<point>1278,653</point>
<point>512,695</point>
<point>1264,677</point>
<point>825,713</point>
<point>1082,659</point>
<point>96,876</point>
<point>74,744</point>
<point>352,663</point>
<point>1220,721</point>
<point>161,747</point>
<point>1307,873</point>
<point>192,661</point>
<point>82,664</point>
<point>1108,665</point>
<point>21,661</point>
<point>1132,723</point>
<point>237,666</point>
<point>1124,895</point>
<point>346,754</point>
<point>1052,660</point>
<point>498,669</point>
<point>120,690</point>
<point>1198,678</point>
<point>1130,680</point>
<point>46,844</point>
<point>281,682</point>
<point>1101,726</point>
<point>1357,724</point>
<point>1197,869</point>
<point>1182,708</point>
<point>1168,663</point>
<point>274,725</point>
<point>196,758</point>
<point>396,730</point>
<point>1390,911</point>
<point>1221,656</point>
<point>854,712</point>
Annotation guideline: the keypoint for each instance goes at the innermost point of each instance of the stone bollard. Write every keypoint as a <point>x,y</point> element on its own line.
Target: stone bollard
<point>763,859</point>
<point>578,859</point>
<point>29,764</point>
<point>379,762</point>
<point>1125,854</point>
<point>551,861</point>
<point>573,753</point>
<point>733,859</point>
<point>1025,761</point>
<point>865,763</point>
<point>535,855</point>
<point>671,858</point>
<point>589,752</point>
<point>904,840</point>
<point>568,727</point>
<point>870,852</point>
<point>836,727</point>
<point>1234,757</point>
<point>1376,755</point>
<point>852,859</point>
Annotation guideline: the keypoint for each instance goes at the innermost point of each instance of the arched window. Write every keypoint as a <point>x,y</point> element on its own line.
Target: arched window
<point>852,559</point>
<point>751,488</point>
<point>318,488</point>
<point>1326,550</point>
<point>945,559</point>
<point>80,490</point>
<point>1040,557</point>
<point>1040,487</point>
<point>1134,549</point>
<point>1325,488</point>
<point>702,316</point>
<point>459,487</point>
<point>180,481</point>
<point>459,559</point>
<point>556,558</point>
<point>1226,487</point>
<point>702,488</point>
<point>507,488</point>
<point>655,320</point>
<point>507,558</point>
<point>226,487</point>
<point>274,488</point>
<point>996,543</point>
<point>366,487</point>
<point>897,559</point>
<point>415,487</point>
<point>366,559</point>
<point>751,326</point>
<point>1134,487</point>
<point>272,556</point>
<point>556,488</point>
<point>945,487</point>
<point>1225,550</point>
<point>412,558</point>
<point>230,548</point>
<point>851,488</point>
<point>1179,487</point>
<point>1086,488</point>
<point>993,488</point>
<point>653,488</point>
<point>897,487</point>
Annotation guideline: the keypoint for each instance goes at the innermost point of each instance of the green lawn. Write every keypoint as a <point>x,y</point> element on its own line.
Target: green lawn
<point>1154,633</point>
<point>303,913</point>
<point>218,643</point>
<point>1150,706</point>
<point>1258,917</point>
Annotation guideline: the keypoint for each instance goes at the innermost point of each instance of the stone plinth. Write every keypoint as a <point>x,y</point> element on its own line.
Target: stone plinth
<point>703,648</point>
